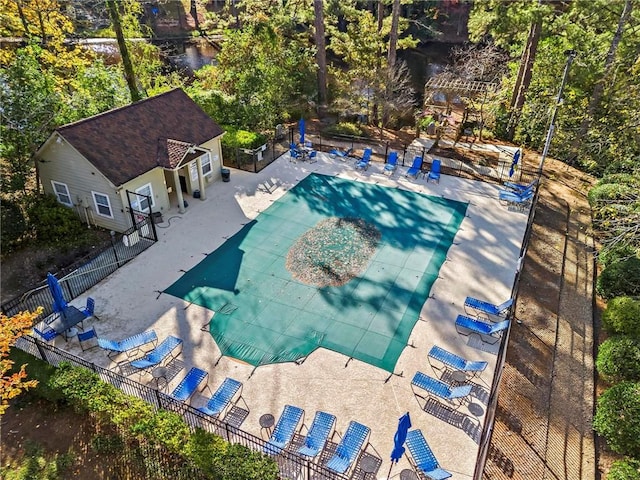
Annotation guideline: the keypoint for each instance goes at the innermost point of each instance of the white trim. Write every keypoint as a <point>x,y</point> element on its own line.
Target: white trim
<point>57,194</point>
<point>97,205</point>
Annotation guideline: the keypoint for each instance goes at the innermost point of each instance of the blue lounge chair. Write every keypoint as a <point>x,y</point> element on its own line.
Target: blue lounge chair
<point>423,457</point>
<point>47,334</point>
<point>519,188</point>
<point>514,199</point>
<point>415,168</point>
<point>434,173</point>
<point>455,395</point>
<point>189,384</point>
<point>392,163</point>
<point>285,428</point>
<point>471,325</point>
<point>129,345</point>
<point>349,448</point>
<point>363,163</point>
<point>159,354</point>
<point>342,155</point>
<point>455,362</point>
<point>318,434</point>
<point>222,397</point>
<point>480,307</point>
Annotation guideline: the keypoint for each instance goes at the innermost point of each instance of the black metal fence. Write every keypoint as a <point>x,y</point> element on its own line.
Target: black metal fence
<point>89,270</point>
<point>492,403</point>
<point>291,465</point>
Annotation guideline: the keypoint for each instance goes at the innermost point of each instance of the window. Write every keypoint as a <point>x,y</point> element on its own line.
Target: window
<point>62,193</point>
<point>193,168</point>
<point>144,203</point>
<point>206,165</point>
<point>103,206</point>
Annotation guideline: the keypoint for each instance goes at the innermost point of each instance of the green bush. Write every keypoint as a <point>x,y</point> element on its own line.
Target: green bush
<point>54,224</point>
<point>14,225</point>
<point>619,359</point>
<point>624,470</point>
<point>617,418</point>
<point>622,315</point>
<point>609,191</point>
<point>619,279</point>
<point>620,178</point>
<point>235,138</point>
<point>164,428</point>
<point>610,255</point>
<point>345,128</point>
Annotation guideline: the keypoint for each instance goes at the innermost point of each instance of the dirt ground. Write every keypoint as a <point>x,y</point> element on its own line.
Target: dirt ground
<point>549,363</point>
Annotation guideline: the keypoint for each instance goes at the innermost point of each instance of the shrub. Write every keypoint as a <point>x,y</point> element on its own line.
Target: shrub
<point>621,278</point>
<point>609,191</point>
<point>14,225</point>
<point>619,359</point>
<point>622,315</point>
<point>53,223</point>
<point>624,470</point>
<point>345,128</point>
<point>617,418</point>
<point>620,178</point>
<point>235,138</point>
<point>164,428</point>
<point>610,255</point>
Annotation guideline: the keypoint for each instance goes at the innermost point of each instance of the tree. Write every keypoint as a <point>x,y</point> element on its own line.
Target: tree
<point>13,384</point>
<point>321,53</point>
<point>129,74</point>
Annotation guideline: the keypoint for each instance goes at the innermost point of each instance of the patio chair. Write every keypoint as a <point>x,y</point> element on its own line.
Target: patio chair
<point>47,334</point>
<point>294,154</point>
<point>455,362</point>
<point>318,434</point>
<point>189,384</point>
<point>129,345</point>
<point>435,387</point>
<point>423,457</point>
<point>89,309</point>
<point>482,307</point>
<point>434,173</point>
<point>349,448</point>
<point>415,168</point>
<point>159,354</point>
<point>285,428</point>
<point>471,325</point>
<point>514,199</point>
<point>222,397</point>
<point>88,339</point>
<point>392,163</point>
<point>519,188</point>
<point>342,155</point>
<point>363,163</point>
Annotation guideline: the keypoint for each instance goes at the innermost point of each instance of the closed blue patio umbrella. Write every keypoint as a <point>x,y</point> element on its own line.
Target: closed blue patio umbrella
<point>301,128</point>
<point>59,303</point>
<point>514,162</point>
<point>404,424</point>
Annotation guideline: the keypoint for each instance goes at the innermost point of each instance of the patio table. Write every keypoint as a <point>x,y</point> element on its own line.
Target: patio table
<point>69,318</point>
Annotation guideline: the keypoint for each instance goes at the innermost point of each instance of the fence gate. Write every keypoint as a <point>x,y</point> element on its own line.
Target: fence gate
<point>141,218</point>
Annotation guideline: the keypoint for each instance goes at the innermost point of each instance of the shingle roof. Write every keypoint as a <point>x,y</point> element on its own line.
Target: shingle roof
<point>129,141</point>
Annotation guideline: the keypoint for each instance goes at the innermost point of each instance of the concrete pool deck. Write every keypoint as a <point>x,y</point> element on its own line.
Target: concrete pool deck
<point>482,262</point>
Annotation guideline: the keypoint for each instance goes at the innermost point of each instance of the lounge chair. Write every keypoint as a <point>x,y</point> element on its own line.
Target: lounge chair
<point>47,333</point>
<point>189,384</point>
<point>222,397</point>
<point>480,306</point>
<point>454,395</point>
<point>423,457</point>
<point>159,354</point>
<point>349,448</point>
<point>318,434</point>
<point>514,199</point>
<point>285,428</point>
<point>343,155</point>
<point>392,163</point>
<point>129,345</point>
<point>434,173</point>
<point>363,163</point>
<point>471,325</point>
<point>519,188</point>
<point>88,339</point>
<point>455,362</point>
<point>415,168</point>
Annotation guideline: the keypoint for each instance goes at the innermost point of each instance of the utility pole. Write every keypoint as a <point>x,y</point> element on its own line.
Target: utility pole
<point>571,54</point>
